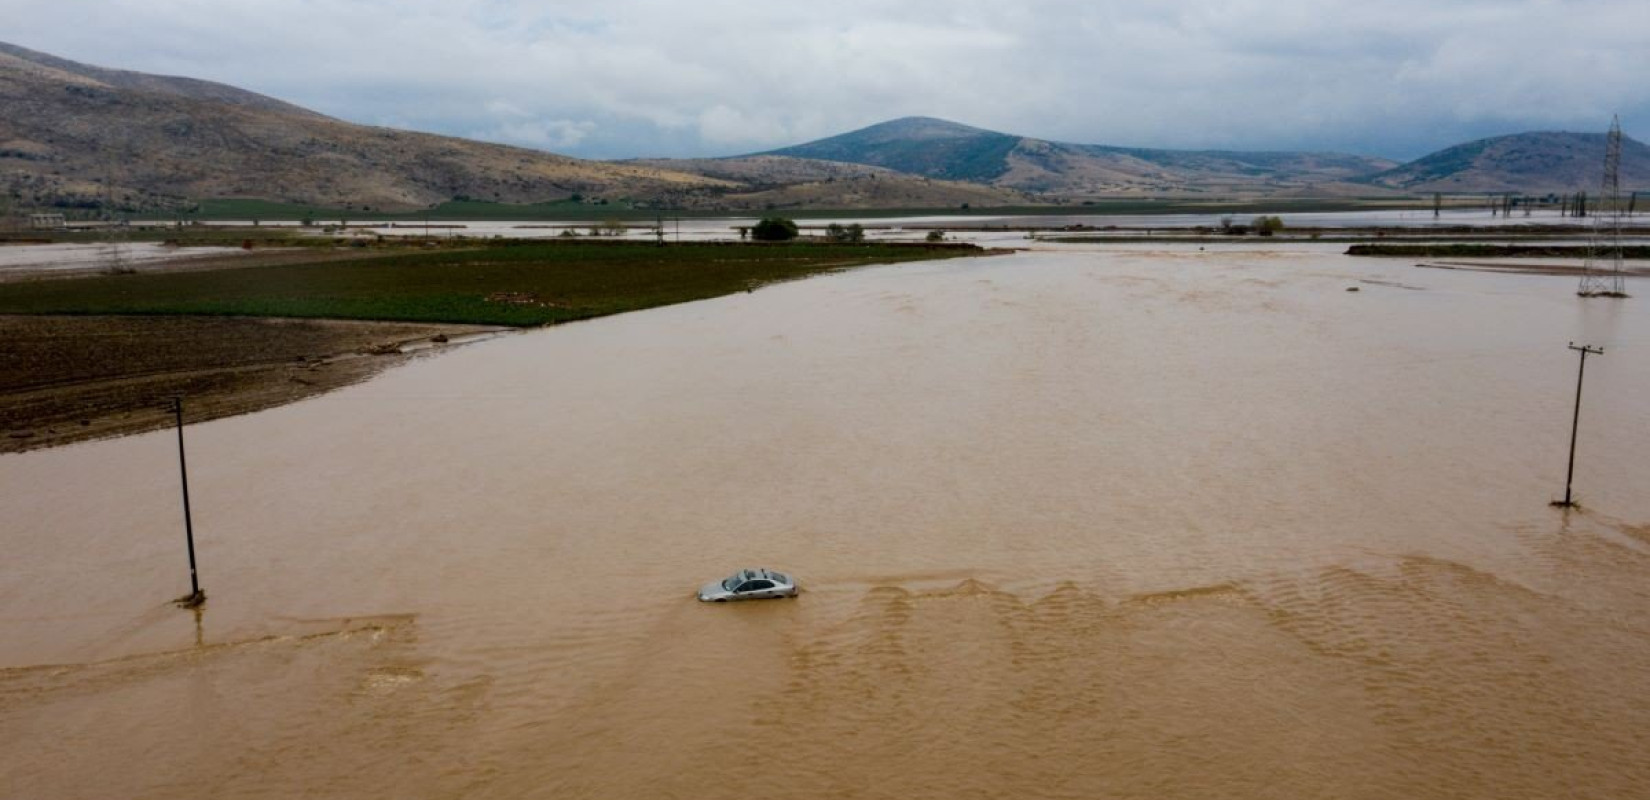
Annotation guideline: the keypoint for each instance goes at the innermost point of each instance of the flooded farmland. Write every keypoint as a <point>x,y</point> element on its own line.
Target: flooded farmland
<point>1132,522</point>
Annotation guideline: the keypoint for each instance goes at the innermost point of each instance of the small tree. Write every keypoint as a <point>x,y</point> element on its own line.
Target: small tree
<point>1266,226</point>
<point>612,227</point>
<point>774,229</point>
<point>935,236</point>
<point>845,234</point>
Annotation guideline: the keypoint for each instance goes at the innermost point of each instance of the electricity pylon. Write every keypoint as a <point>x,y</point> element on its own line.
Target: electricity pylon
<point>1602,276</point>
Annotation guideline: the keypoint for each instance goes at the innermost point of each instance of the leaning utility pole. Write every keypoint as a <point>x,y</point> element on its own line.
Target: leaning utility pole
<point>1602,276</point>
<point>1575,423</point>
<point>196,597</point>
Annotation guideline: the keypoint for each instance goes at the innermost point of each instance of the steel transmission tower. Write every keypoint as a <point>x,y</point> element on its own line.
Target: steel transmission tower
<point>1602,276</point>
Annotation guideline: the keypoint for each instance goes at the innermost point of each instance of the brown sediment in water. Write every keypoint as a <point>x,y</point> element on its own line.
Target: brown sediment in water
<point>1060,533</point>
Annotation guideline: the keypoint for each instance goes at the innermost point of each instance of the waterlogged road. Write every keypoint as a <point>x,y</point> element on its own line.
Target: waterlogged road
<point>1071,523</point>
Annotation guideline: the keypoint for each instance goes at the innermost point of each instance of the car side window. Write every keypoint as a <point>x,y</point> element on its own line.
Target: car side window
<point>756,586</point>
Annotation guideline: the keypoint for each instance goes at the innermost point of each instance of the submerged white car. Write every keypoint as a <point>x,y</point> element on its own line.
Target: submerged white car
<point>749,584</point>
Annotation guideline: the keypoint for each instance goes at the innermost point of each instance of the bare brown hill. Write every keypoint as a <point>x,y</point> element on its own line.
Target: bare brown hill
<point>75,135</point>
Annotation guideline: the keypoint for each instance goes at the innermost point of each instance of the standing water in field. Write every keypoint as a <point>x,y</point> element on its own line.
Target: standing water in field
<point>1134,522</point>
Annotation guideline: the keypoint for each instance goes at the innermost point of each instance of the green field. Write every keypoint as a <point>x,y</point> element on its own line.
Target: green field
<point>504,283</point>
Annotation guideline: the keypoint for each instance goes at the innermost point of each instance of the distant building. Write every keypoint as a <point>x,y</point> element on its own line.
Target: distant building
<point>47,222</point>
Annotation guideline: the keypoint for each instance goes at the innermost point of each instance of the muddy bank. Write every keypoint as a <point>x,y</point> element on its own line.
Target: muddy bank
<point>66,378</point>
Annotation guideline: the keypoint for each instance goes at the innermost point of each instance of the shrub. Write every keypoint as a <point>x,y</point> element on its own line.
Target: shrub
<point>848,234</point>
<point>1266,226</point>
<point>774,229</point>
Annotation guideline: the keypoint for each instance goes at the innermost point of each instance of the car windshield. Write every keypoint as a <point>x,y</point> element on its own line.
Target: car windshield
<point>738,577</point>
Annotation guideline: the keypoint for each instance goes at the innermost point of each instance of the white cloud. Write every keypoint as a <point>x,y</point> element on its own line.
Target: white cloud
<point>657,77</point>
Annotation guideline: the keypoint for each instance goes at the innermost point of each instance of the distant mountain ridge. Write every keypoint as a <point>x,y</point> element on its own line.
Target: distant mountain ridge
<point>942,149</point>
<point>1534,162</point>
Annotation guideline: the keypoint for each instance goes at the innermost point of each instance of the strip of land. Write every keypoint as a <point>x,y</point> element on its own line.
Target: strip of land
<point>70,378</point>
<point>1480,250</point>
<point>88,357</point>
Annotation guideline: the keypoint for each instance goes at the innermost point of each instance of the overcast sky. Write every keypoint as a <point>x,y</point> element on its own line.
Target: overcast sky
<point>620,78</point>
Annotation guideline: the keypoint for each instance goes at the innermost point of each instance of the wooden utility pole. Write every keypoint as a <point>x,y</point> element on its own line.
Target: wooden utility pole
<point>196,597</point>
<point>1575,423</point>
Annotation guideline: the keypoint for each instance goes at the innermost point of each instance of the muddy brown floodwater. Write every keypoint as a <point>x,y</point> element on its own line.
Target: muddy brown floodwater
<point>1123,522</point>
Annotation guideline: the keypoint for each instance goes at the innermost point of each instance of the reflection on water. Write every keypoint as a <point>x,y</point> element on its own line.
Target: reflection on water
<point>1132,522</point>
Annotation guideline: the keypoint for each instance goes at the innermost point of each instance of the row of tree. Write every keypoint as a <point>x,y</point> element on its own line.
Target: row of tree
<point>780,229</point>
